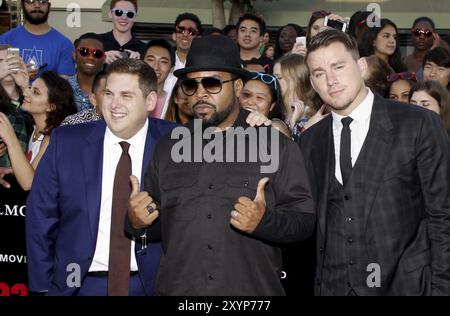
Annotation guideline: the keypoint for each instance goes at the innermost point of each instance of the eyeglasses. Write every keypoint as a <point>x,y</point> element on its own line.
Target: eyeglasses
<point>186,30</point>
<point>210,84</point>
<point>38,1</point>
<point>266,78</point>
<point>402,75</point>
<point>418,32</point>
<point>119,12</point>
<point>86,51</point>
<point>320,14</point>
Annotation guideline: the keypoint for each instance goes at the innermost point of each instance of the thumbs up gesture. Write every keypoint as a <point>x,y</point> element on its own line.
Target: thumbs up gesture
<point>247,213</point>
<point>141,208</point>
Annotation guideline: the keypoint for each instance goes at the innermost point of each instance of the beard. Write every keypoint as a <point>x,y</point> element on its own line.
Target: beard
<point>217,117</point>
<point>36,19</point>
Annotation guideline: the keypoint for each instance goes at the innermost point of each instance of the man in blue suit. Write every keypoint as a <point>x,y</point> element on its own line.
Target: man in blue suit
<point>72,201</point>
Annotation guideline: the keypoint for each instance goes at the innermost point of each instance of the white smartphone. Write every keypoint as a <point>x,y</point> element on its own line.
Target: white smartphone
<point>301,41</point>
<point>338,25</point>
<point>12,51</point>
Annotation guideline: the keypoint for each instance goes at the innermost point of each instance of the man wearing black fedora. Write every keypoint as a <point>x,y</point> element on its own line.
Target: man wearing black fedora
<point>221,220</point>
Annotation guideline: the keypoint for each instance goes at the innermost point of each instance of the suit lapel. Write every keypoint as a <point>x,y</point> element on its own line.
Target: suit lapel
<point>92,156</point>
<point>376,152</point>
<point>150,141</point>
<point>323,161</point>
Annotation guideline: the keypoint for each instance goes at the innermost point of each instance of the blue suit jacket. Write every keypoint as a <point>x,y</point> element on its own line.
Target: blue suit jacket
<point>63,208</point>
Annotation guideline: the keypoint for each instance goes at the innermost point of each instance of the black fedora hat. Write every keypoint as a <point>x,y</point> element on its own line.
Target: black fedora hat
<point>213,53</point>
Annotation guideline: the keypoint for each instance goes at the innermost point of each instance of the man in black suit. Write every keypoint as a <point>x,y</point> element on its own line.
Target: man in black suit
<point>380,173</point>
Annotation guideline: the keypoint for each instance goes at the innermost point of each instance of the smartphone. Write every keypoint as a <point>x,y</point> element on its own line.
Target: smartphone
<point>125,54</point>
<point>11,51</point>
<point>301,41</point>
<point>338,25</point>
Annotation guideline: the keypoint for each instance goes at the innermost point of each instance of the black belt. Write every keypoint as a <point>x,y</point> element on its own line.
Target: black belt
<point>105,273</point>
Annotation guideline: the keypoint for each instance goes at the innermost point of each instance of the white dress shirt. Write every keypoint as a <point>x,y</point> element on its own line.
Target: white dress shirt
<point>170,82</point>
<point>359,128</point>
<point>111,155</point>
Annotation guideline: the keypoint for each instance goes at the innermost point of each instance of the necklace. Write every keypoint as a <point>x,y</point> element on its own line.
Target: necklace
<point>36,136</point>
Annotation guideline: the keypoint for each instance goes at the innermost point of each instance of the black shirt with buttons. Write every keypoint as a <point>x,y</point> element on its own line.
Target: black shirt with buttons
<point>202,253</point>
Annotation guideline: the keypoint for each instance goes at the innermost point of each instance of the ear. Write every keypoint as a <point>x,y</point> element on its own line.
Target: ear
<point>51,107</point>
<point>93,99</point>
<point>74,55</point>
<point>272,106</point>
<point>174,36</point>
<point>363,66</point>
<point>110,14</point>
<point>238,85</point>
<point>151,100</point>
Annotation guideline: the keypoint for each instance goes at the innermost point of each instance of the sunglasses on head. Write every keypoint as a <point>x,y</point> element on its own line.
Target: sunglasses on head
<point>212,85</point>
<point>119,12</point>
<point>402,75</point>
<point>86,51</point>
<point>418,32</point>
<point>266,78</point>
<point>320,14</point>
<point>186,30</point>
<point>38,1</point>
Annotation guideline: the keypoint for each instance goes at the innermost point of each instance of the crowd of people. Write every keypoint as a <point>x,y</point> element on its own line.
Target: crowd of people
<point>363,147</point>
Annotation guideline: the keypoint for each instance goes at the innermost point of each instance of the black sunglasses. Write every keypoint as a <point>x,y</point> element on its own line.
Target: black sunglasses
<point>38,1</point>
<point>418,32</point>
<point>186,30</point>
<point>86,51</point>
<point>407,75</point>
<point>119,12</point>
<point>210,84</point>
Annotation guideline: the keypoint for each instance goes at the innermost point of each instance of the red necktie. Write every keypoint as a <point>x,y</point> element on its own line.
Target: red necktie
<point>120,245</point>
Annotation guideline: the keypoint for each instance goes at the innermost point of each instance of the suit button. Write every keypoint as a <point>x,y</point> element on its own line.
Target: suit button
<point>209,216</point>
<point>351,262</point>
<point>349,284</point>
<point>210,186</point>
<point>321,251</point>
<point>210,277</point>
<point>350,240</point>
<point>246,183</point>
<point>349,219</point>
<point>347,197</point>
<point>318,282</point>
<point>210,247</point>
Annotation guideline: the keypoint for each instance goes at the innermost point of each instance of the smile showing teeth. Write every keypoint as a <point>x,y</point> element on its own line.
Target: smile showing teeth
<point>118,115</point>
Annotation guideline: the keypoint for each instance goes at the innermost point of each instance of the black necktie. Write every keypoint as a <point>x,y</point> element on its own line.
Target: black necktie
<point>120,245</point>
<point>345,158</point>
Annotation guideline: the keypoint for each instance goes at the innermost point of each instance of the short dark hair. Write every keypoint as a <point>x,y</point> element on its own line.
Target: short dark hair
<point>439,55</point>
<point>228,28</point>
<point>98,77</point>
<point>90,35</point>
<point>328,37</point>
<point>60,95</point>
<point>192,17</point>
<point>145,73</point>
<point>255,18</point>
<point>133,2</point>
<point>164,44</point>
<point>426,19</point>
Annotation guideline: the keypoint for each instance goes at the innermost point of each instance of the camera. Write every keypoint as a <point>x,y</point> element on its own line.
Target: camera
<point>338,25</point>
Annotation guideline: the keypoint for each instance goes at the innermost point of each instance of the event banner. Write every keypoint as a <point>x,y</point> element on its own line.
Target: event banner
<point>13,260</point>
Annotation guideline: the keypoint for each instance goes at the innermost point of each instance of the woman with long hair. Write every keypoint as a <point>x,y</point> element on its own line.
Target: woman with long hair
<point>49,100</point>
<point>431,95</point>
<point>383,42</point>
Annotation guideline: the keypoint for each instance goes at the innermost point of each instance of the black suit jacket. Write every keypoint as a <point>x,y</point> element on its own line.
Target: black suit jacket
<point>403,190</point>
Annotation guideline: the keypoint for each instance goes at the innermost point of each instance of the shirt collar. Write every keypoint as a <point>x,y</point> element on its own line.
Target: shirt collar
<point>135,142</point>
<point>360,114</point>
